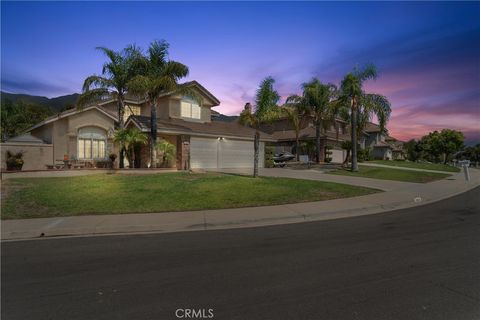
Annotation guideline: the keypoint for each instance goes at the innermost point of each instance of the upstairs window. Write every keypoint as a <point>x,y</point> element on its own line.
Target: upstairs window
<point>129,110</point>
<point>190,109</point>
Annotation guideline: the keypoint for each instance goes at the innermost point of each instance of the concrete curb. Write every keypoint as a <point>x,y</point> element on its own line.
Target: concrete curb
<point>102,225</point>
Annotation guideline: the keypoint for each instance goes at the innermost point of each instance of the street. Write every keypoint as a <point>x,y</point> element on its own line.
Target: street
<point>417,263</point>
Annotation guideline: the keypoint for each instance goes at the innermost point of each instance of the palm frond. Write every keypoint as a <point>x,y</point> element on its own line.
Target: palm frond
<point>95,81</point>
<point>91,96</point>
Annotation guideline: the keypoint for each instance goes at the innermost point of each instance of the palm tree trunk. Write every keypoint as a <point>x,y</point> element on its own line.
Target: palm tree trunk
<point>317,142</point>
<point>354,136</point>
<point>345,162</point>
<point>153,135</point>
<point>121,124</point>
<point>297,145</point>
<point>256,145</point>
<point>133,157</point>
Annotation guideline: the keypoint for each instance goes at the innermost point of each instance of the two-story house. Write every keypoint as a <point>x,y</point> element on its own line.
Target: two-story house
<point>87,134</point>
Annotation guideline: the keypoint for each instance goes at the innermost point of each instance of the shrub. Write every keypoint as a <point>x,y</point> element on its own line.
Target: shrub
<point>14,160</point>
<point>269,151</point>
<point>364,155</point>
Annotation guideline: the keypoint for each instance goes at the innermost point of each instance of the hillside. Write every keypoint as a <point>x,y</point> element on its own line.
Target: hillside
<point>55,104</point>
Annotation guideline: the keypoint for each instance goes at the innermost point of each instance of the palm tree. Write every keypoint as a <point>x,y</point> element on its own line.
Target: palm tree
<point>266,100</point>
<point>296,114</point>
<point>168,151</point>
<point>362,105</point>
<point>120,68</point>
<point>319,99</point>
<point>128,139</point>
<point>160,76</point>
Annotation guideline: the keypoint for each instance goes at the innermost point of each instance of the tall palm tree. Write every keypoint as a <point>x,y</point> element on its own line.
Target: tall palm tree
<point>120,68</point>
<point>160,75</point>
<point>319,99</point>
<point>128,139</point>
<point>265,111</point>
<point>296,114</point>
<point>362,105</point>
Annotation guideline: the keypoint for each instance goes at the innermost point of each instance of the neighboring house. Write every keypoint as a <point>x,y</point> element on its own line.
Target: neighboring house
<point>87,134</point>
<point>381,145</point>
<point>282,130</point>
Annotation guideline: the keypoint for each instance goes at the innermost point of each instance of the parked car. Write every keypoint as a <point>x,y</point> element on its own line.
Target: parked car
<point>281,158</point>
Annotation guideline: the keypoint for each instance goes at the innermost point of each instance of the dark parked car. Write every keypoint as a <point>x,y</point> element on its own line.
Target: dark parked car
<point>281,158</point>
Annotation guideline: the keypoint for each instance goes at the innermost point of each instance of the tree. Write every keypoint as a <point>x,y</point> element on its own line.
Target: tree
<point>168,151</point>
<point>159,76</point>
<point>128,139</point>
<point>265,111</point>
<point>296,114</point>
<point>362,105</point>
<point>117,72</point>
<point>472,153</point>
<point>346,145</point>
<point>19,116</point>
<point>413,149</point>
<point>445,142</point>
<point>319,100</point>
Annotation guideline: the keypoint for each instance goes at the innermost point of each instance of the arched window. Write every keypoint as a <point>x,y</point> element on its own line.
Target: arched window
<point>91,143</point>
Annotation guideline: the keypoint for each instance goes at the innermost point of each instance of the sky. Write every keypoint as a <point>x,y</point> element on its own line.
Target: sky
<point>427,53</point>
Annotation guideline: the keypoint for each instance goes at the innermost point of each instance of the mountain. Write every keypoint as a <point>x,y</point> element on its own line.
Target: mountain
<point>55,104</point>
<point>58,104</point>
<point>217,116</point>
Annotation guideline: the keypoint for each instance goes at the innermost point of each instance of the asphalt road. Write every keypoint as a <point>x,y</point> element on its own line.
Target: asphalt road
<point>421,263</point>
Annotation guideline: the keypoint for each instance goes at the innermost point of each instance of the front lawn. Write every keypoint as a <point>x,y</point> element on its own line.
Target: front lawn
<point>392,174</point>
<point>109,194</point>
<point>417,165</point>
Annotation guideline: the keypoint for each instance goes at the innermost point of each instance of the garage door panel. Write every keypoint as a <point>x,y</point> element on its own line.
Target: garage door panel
<point>203,153</point>
<point>236,154</point>
<point>337,155</point>
<point>223,153</point>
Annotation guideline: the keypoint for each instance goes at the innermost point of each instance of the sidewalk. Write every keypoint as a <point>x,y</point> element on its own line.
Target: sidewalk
<point>402,168</point>
<point>398,195</point>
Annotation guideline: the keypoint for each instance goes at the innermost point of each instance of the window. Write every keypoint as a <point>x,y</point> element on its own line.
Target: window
<point>91,143</point>
<point>190,109</point>
<point>129,110</point>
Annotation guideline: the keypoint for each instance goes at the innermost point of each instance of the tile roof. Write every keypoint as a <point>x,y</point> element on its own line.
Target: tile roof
<point>307,133</point>
<point>214,128</point>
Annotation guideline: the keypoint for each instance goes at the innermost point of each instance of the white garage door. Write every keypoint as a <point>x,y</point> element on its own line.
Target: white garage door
<point>210,153</point>
<point>203,153</point>
<point>338,155</point>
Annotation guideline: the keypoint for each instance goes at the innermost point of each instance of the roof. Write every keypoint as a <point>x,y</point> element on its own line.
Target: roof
<point>213,128</point>
<point>26,138</point>
<point>307,133</point>
<point>69,113</point>
<point>372,127</point>
<point>382,144</point>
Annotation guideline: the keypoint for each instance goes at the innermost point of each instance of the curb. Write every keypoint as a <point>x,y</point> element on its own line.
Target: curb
<point>297,217</point>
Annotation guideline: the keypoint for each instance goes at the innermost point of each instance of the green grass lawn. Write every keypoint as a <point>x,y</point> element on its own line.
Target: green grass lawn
<point>392,174</point>
<point>416,165</point>
<point>109,194</point>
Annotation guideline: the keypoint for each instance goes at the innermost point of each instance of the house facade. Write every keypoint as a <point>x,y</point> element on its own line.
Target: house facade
<point>86,135</point>
<point>380,145</point>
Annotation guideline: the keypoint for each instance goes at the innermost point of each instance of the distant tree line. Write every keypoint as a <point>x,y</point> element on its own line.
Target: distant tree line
<point>18,116</point>
<point>441,146</point>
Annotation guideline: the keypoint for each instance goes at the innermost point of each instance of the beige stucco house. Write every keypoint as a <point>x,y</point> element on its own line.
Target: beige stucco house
<point>86,134</point>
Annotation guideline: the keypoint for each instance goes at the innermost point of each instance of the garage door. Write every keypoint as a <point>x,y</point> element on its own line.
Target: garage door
<point>203,153</point>
<point>337,155</point>
<point>210,153</point>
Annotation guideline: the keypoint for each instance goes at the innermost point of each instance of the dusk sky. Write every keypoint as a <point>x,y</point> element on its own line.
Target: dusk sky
<point>428,54</point>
